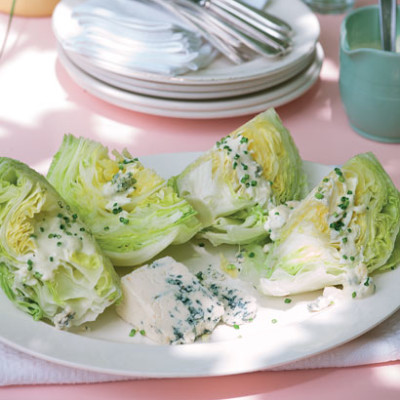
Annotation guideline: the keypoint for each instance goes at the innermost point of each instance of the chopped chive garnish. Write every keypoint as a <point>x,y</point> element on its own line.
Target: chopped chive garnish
<point>354,294</point>
<point>344,240</point>
<point>125,221</point>
<point>252,254</point>
<point>352,258</point>
<point>253,183</point>
<point>244,139</point>
<point>106,228</point>
<point>82,229</point>
<point>274,321</point>
<point>51,259</point>
<point>288,301</point>
<point>319,196</point>
<point>245,178</point>
<point>59,244</point>
<point>201,244</point>
<point>142,332</point>
<point>236,326</point>
<point>338,171</point>
<point>132,332</point>
<point>325,180</point>
<point>30,265</point>
<point>41,229</point>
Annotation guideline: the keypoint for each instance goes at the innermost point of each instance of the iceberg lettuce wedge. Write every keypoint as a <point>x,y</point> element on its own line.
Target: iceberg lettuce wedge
<point>233,184</point>
<point>50,265</point>
<point>341,233</point>
<point>130,210</point>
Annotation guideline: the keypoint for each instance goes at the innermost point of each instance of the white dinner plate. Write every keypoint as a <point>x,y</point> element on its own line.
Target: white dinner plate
<point>190,92</point>
<point>306,34</point>
<point>217,108</point>
<point>281,332</point>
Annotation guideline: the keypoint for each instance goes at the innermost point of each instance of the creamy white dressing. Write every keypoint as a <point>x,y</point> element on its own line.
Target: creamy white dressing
<point>338,195</point>
<point>118,190</point>
<point>330,295</point>
<point>56,238</point>
<point>249,172</point>
<point>357,285</point>
<point>277,218</point>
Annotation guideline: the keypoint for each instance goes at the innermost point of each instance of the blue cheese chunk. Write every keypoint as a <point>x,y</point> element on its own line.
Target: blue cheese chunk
<point>239,304</point>
<point>168,303</point>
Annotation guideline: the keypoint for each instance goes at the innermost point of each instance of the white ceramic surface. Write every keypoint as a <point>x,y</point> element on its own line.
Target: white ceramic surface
<point>306,33</point>
<point>107,347</point>
<point>190,92</point>
<point>217,108</point>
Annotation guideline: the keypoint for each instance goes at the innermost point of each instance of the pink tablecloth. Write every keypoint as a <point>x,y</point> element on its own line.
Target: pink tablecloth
<point>39,103</point>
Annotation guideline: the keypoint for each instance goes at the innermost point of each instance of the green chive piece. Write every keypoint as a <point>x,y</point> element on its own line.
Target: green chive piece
<point>288,301</point>
<point>236,326</point>
<point>132,333</point>
<point>142,332</point>
<point>274,321</point>
<point>319,196</point>
<point>354,295</point>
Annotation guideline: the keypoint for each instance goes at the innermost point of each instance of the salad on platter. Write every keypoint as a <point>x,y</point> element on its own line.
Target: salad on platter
<point>100,230</point>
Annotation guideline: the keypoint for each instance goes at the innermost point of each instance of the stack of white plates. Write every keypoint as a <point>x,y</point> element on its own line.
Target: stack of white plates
<point>220,90</point>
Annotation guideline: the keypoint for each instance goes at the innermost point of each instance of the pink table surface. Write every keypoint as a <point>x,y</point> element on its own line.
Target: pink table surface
<point>39,103</point>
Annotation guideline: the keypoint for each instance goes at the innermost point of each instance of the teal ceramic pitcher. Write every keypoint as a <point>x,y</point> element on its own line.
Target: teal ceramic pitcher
<point>369,77</point>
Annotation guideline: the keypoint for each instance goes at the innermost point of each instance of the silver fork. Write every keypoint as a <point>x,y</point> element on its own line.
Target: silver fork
<point>235,29</point>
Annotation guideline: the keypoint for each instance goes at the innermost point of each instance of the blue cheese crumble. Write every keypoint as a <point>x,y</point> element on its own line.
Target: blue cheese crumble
<point>239,305</point>
<point>168,302</point>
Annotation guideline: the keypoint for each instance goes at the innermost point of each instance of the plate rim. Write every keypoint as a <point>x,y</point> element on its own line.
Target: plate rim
<point>306,47</point>
<point>236,106</point>
<point>43,341</point>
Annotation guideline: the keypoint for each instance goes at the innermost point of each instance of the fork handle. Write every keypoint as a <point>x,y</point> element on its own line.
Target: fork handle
<point>244,10</point>
<point>387,14</point>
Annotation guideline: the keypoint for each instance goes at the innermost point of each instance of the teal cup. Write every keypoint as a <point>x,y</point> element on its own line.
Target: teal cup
<point>369,77</point>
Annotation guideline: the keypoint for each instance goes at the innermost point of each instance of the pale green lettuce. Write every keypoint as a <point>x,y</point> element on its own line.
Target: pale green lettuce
<point>342,232</point>
<point>50,265</point>
<point>233,185</point>
<point>131,211</point>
